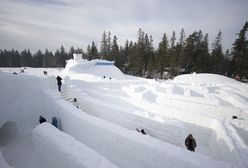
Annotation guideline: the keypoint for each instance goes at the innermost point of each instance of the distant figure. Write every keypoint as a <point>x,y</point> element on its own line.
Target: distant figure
<point>75,100</point>
<point>42,120</point>
<point>190,143</point>
<point>14,73</point>
<point>142,131</point>
<point>104,77</point>
<point>22,71</point>
<point>110,78</point>
<point>75,103</point>
<point>45,72</point>
<point>55,122</point>
<point>59,79</point>
<point>234,117</point>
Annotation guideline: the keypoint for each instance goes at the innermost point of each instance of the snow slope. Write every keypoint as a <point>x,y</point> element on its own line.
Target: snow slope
<point>108,111</point>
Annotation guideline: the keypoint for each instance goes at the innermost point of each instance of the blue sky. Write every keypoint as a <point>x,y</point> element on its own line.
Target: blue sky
<point>40,24</point>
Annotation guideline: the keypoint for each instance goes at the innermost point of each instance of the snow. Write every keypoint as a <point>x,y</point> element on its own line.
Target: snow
<point>104,119</point>
<point>55,149</point>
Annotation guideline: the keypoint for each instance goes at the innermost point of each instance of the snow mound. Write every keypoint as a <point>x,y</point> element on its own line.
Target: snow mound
<point>94,69</point>
<point>204,79</point>
<point>55,149</point>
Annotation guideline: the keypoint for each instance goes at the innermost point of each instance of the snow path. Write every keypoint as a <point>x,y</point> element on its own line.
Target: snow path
<point>19,152</point>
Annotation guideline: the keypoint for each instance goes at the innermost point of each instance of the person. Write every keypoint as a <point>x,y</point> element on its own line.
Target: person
<point>142,131</point>
<point>75,103</point>
<point>59,79</point>
<point>42,120</point>
<point>190,143</point>
<point>55,122</point>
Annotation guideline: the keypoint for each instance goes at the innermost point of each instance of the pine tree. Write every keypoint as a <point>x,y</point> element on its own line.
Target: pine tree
<point>109,44</point>
<point>189,51</point>
<point>240,53</point>
<point>217,55</point>
<point>115,53</point>
<point>37,59</point>
<point>26,58</point>
<point>104,47</point>
<point>71,52</point>
<point>173,57</point>
<point>163,56</point>
<point>92,52</point>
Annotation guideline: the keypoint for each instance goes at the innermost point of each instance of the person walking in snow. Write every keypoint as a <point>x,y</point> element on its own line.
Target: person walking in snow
<point>42,120</point>
<point>190,143</point>
<point>59,79</point>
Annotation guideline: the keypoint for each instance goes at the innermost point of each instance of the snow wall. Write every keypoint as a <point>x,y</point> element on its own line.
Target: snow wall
<point>55,149</point>
<point>122,146</point>
<point>23,100</point>
<point>3,163</point>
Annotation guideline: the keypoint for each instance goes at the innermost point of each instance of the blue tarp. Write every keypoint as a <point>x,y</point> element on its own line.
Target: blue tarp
<point>104,63</point>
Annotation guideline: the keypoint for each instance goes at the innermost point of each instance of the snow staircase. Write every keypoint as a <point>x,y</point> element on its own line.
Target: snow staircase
<point>67,97</point>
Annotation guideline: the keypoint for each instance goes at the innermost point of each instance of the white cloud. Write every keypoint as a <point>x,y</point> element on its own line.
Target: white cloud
<point>50,23</point>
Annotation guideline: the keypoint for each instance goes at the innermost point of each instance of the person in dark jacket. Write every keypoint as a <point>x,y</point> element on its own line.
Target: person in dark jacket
<point>55,122</point>
<point>190,143</point>
<point>59,79</point>
<point>142,131</point>
<point>42,120</point>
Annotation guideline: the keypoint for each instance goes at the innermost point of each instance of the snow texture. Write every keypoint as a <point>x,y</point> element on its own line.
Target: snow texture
<point>108,110</point>
<point>55,149</point>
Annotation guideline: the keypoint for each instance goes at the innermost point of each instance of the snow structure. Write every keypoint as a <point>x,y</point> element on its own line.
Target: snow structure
<point>104,119</point>
<point>77,56</point>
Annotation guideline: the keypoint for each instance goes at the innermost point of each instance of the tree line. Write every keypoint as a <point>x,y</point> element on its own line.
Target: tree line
<point>173,55</point>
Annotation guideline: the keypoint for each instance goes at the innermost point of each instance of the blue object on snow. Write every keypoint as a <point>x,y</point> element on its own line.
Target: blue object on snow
<point>55,122</point>
<point>104,63</point>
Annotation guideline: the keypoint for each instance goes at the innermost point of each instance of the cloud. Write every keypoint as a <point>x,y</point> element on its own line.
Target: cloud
<point>50,23</point>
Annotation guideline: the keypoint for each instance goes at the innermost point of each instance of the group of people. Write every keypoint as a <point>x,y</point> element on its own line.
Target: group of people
<point>104,77</point>
<point>54,121</point>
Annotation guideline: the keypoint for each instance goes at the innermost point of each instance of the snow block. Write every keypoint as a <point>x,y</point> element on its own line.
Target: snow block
<point>55,149</point>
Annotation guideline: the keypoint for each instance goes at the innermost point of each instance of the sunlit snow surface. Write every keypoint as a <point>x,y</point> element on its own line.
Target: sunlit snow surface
<point>109,108</point>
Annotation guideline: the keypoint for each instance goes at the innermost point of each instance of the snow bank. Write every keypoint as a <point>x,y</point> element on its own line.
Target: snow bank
<point>3,163</point>
<point>22,100</point>
<point>55,149</point>
<point>92,70</point>
<point>201,79</point>
<point>228,145</point>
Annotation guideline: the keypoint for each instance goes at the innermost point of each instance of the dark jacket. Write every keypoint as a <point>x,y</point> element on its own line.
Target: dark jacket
<point>42,119</point>
<point>59,80</point>
<point>190,143</point>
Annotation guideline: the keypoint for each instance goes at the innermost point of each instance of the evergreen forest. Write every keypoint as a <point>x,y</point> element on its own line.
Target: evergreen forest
<point>174,55</point>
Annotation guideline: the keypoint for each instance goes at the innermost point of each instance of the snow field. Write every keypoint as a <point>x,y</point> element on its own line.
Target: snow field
<point>166,129</point>
<point>110,111</point>
<point>55,149</point>
<point>147,103</point>
<point>122,146</point>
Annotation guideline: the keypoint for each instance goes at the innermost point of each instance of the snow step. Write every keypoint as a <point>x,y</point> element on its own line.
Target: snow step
<point>68,99</point>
